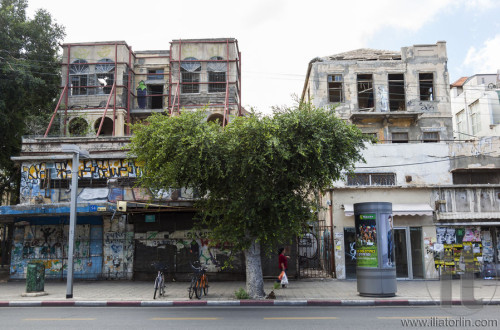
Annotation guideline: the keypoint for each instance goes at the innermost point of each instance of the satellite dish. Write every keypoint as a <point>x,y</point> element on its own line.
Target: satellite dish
<point>103,81</point>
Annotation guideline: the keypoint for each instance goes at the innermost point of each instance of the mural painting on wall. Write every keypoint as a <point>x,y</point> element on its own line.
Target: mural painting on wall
<point>33,187</point>
<point>48,243</point>
<point>210,256</point>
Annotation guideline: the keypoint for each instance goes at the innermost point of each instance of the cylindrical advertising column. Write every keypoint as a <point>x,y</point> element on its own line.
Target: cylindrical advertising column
<point>376,268</point>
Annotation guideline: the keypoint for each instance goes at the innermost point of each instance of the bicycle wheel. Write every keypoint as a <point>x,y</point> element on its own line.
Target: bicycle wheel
<point>162,287</point>
<point>205,284</point>
<point>192,288</point>
<point>198,287</point>
<point>157,284</point>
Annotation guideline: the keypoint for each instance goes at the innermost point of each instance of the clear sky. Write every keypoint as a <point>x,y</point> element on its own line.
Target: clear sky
<point>278,38</point>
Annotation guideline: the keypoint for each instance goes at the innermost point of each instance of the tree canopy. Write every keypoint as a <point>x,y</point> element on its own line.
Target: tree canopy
<point>255,176</point>
<point>29,80</point>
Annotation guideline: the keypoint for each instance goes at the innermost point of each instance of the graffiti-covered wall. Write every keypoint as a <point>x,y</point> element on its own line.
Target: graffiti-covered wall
<point>118,248</point>
<point>103,247</point>
<point>47,182</point>
<point>46,240</point>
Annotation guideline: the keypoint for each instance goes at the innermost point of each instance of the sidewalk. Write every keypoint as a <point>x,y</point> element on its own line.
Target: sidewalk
<point>302,292</point>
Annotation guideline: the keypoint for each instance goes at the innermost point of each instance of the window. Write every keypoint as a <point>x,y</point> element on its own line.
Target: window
<point>461,124</point>
<point>399,137</point>
<point>190,75</point>
<point>335,88</point>
<point>371,179</point>
<point>476,177</point>
<point>78,127</point>
<point>78,75</point>
<point>475,118</point>
<point>155,74</point>
<point>430,137</point>
<point>105,75</point>
<point>216,75</point>
<point>426,86</point>
<point>365,91</point>
<point>372,135</point>
<point>397,100</point>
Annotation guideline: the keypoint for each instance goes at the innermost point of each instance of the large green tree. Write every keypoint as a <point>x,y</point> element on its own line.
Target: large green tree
<point>255,177</point>
<point>29,80</point>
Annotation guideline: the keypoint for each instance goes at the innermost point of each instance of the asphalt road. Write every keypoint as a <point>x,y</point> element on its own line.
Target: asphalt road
<point>262,318</point>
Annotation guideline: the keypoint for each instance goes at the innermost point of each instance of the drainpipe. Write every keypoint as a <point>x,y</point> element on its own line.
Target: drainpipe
<point>332,241</point>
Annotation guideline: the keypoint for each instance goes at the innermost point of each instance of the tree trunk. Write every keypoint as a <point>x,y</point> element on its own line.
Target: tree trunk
<point>255,280</point>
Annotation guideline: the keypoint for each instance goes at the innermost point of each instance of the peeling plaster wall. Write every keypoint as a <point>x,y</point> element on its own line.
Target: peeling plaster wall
<point>435,114</point>
<point>479,154</point>
<point>430,163</point>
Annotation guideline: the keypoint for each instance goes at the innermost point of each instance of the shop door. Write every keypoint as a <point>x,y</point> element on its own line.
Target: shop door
<point>408,251</point>
<point>401,252</point>
<point>350,252</point>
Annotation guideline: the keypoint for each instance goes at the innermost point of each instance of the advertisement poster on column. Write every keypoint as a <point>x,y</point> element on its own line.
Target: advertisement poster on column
<point>366,240</point>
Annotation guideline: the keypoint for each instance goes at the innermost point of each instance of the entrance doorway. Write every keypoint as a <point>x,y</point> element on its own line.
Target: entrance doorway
<point>155,96</point>
<point>408,252</point>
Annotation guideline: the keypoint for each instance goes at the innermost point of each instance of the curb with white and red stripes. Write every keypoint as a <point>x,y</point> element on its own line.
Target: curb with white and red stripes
<point>186,303</point>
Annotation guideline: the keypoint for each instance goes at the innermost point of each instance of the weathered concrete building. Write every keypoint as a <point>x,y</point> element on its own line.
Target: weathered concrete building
<point>402,99</point>
<point>121,228</point>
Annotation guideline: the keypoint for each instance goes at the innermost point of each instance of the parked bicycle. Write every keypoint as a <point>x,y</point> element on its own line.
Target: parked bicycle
<point>199,282</point>
<point>160,278</point>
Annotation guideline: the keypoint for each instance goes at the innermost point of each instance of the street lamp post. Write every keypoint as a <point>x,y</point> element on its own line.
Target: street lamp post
<point>77,153</point>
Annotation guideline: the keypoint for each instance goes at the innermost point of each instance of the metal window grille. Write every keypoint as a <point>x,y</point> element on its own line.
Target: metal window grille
<point>400,137</point>
<point>371,179</point>
<point>430,136</point>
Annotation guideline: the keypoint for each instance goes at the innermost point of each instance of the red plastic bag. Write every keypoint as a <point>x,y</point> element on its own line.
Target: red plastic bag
<point>281,275</point>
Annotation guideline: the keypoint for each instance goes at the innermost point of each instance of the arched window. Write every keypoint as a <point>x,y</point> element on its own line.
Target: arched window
<point>107,126</point>
<point>79,77</point>
<point>190,75</point>
<point>216,74</point>
<point>78,127</point>
<point>105,75</point>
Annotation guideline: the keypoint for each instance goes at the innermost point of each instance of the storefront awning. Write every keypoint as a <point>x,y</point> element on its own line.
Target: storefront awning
<point>398,209</point>
<point>467,215</point>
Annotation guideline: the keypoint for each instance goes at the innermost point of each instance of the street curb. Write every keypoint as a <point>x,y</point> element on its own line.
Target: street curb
<point>190,303</point>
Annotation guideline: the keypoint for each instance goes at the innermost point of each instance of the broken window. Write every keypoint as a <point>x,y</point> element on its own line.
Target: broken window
<point>430,137</point>
<point>365,91</point>
<point>190,75</point>
<point>155,74</point>
<point>216,75</point>
<point>399,137</point>
<point>78,75</point>
<point>371,179</point>
<point>426,86</point>
<point>335,88</point>
<point>397,100</point>
<point>105,75</point>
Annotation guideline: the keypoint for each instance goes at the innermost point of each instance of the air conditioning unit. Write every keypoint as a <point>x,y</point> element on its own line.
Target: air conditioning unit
<point>121,206</point>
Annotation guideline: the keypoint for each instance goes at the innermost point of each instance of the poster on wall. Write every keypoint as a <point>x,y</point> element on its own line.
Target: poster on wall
<point>366,240</point>
<point>445,235</point>
<point>472,234</point>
